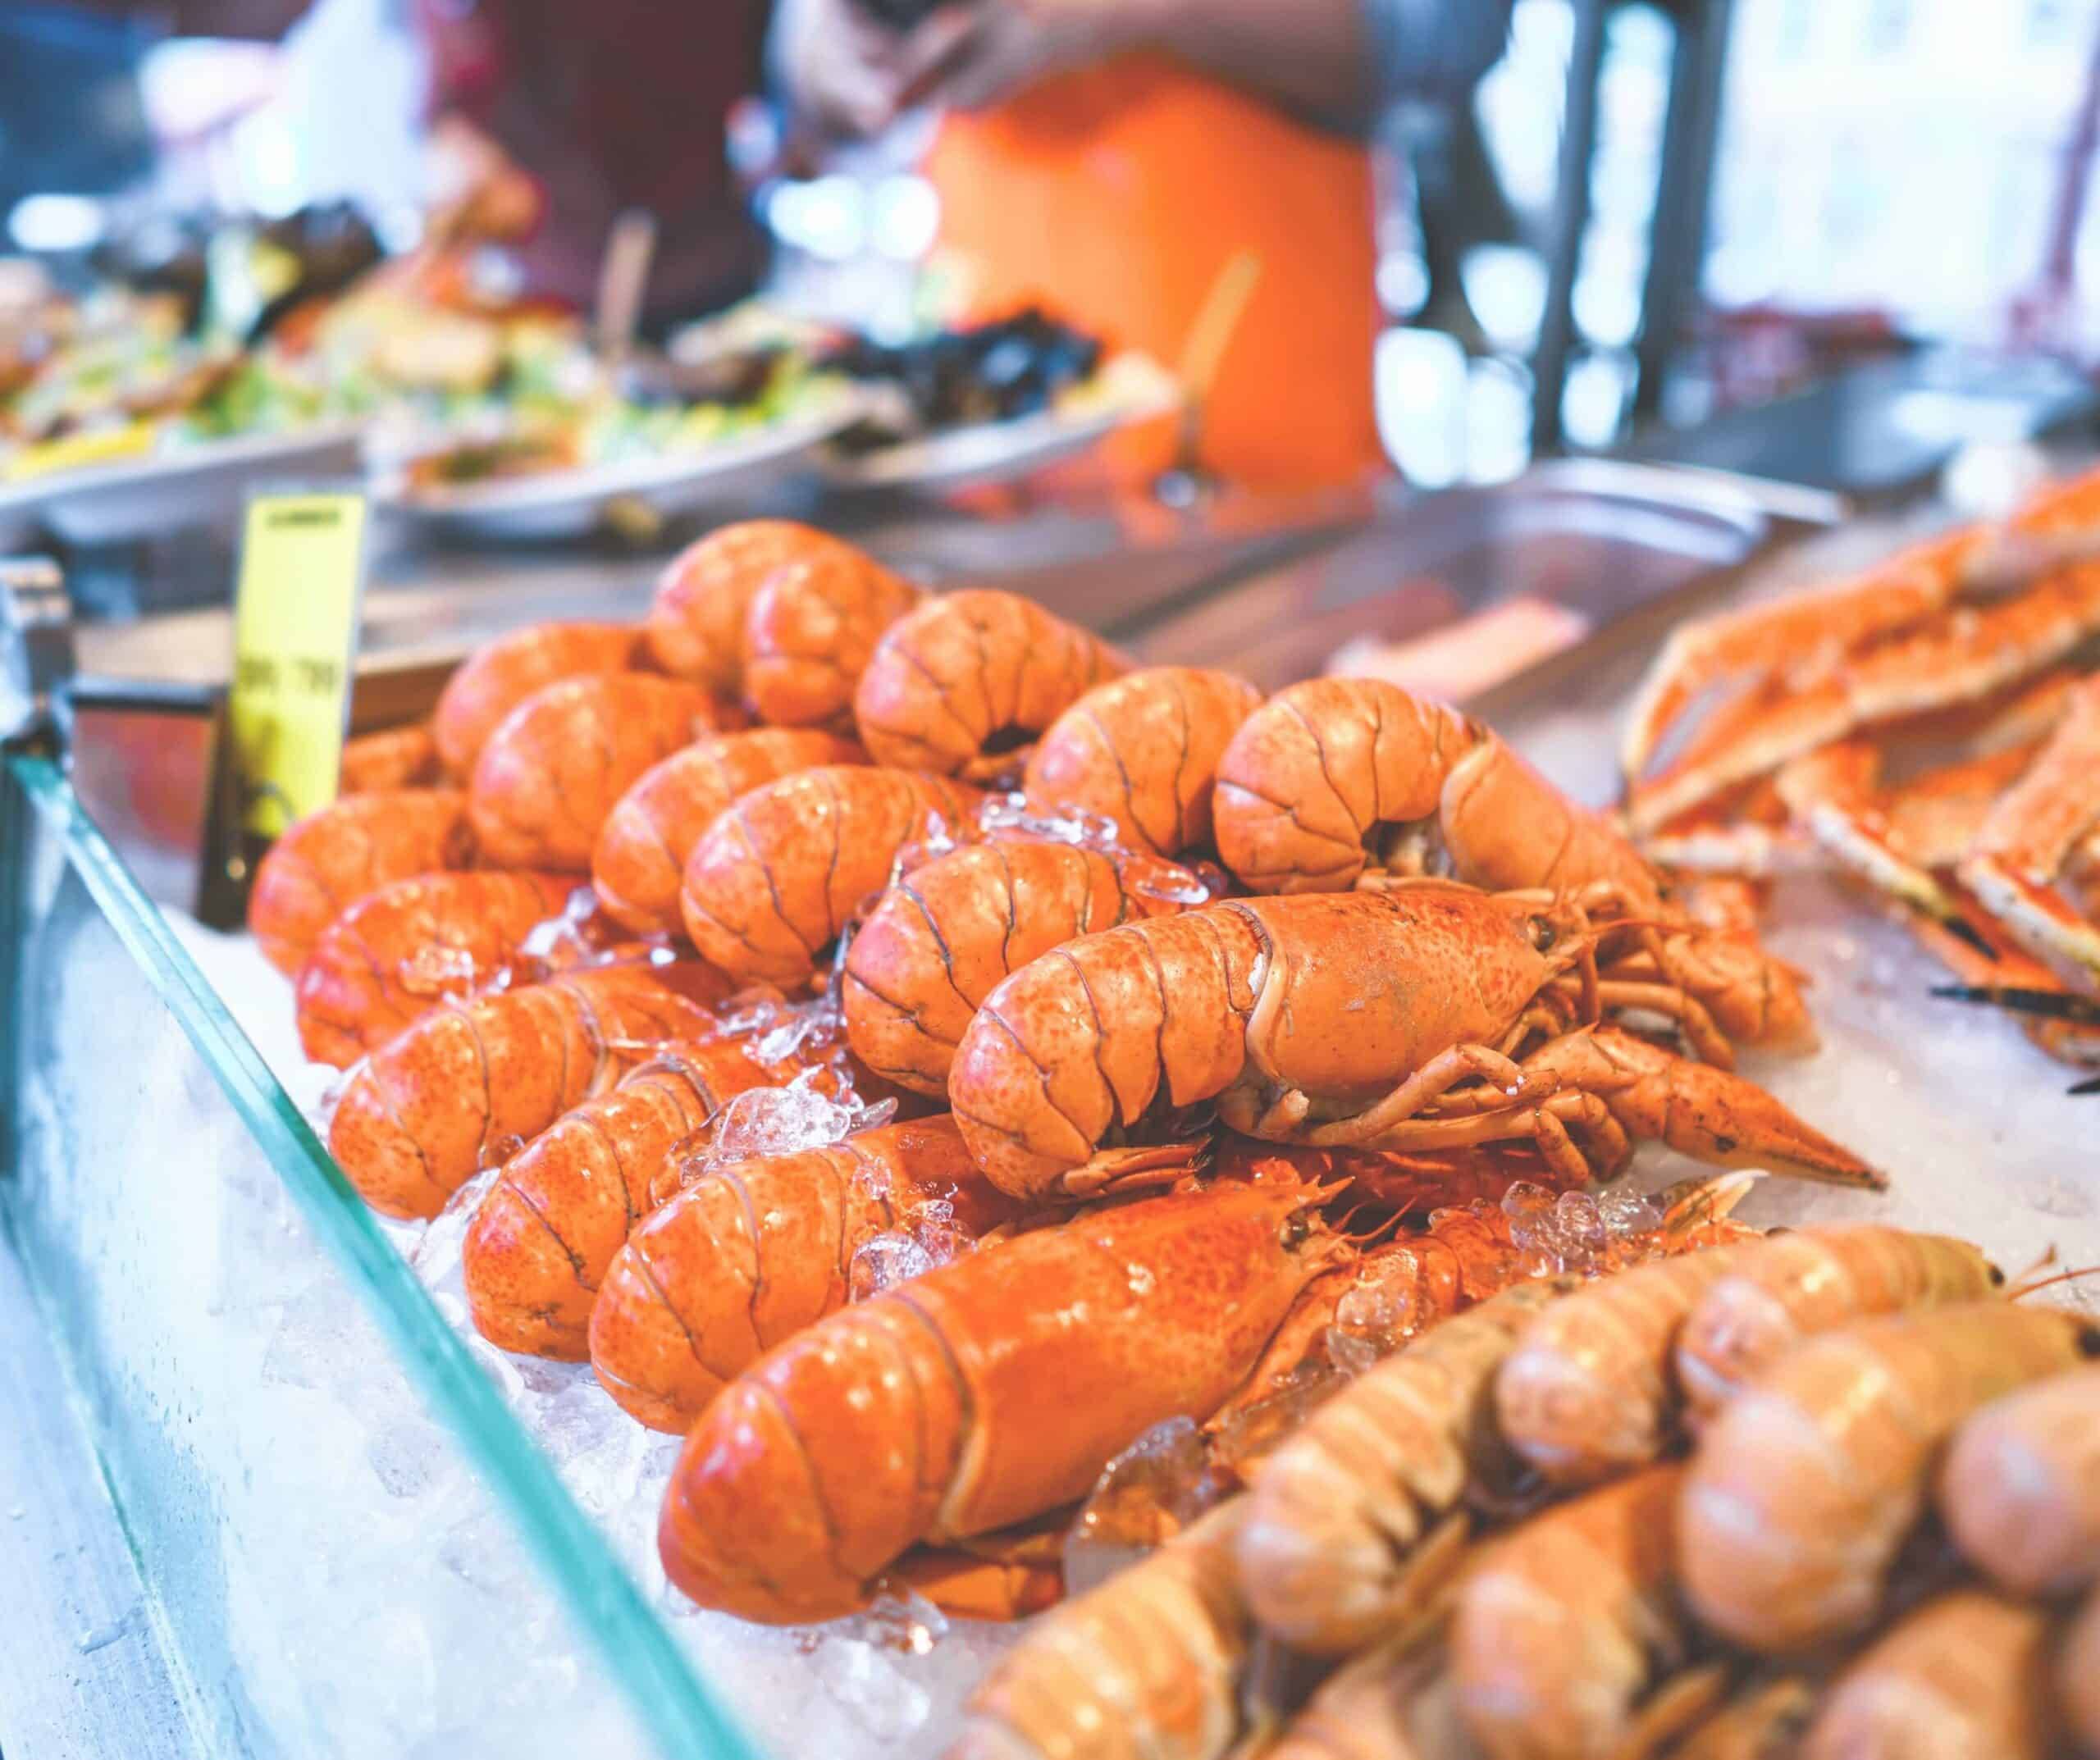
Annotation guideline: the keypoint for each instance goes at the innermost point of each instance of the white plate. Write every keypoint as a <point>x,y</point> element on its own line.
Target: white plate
<point>128,498</point>
<point>568,504</point>
<point>1129,387</point>
<point>988,452</point>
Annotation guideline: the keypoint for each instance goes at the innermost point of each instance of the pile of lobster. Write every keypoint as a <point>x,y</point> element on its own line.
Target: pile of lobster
<point>1832,1493</point>
<point>1930,728</point>
<point>1161,1010</point>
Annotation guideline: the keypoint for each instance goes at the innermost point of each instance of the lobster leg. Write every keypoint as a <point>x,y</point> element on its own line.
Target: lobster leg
<point>1750,995</point>
<point>1733,989</point>
<point>1428,1083</point>
<point>1544,1122</point>
<point>1688,1011</point>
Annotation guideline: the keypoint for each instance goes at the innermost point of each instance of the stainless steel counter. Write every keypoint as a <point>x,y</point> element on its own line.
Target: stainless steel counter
<point>1109,564</point>
<point>1609,541</point>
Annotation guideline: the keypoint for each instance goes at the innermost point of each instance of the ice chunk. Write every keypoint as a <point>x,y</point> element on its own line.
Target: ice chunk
<point>408,1457</point>
<point>879,1698</point>
<point>929,1238</point>
<point>436,1256</point>
<point>779,1121</point>
<point>904,1620</point>
<point>802,1030</point>
<point>312,1331</point>
<point>752,1011</point>
<point>774,1028</point>
<point>940,840</point>
<point>1579,1227</point>
<point>579,933</point>
<point>1382,1309</point>
<point>1171,883</point>
<point>886,1260</point>
<point>1008,815</point>
<point>1566,1232</point>
<point>1627,1214</point>
<point>1247,1435</point>
<point>1155,1488</point>
<point>1534,1225</point>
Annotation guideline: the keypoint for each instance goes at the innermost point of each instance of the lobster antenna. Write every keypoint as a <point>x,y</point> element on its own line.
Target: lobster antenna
<point>2020,1291</point>
<point>1391,1224</point>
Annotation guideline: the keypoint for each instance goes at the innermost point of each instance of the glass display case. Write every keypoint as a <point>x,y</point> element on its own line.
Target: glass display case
<point>362,1530</point>
<point>333,1511</point>
<point>335,1491</point>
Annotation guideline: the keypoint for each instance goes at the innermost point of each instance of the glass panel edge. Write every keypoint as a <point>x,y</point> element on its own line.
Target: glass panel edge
<point>669,1696</point>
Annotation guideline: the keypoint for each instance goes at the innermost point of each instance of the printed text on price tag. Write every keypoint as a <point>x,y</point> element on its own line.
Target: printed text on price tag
<point>295,627</point>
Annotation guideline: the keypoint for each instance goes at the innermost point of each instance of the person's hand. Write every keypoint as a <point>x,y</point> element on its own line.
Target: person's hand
<point>844,72</point>
<point>974,55</point>
<point>477,190</point>
<point>850,75</point>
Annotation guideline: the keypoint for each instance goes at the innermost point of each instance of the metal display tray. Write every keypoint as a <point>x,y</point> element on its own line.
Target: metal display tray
<point>1627,547</point>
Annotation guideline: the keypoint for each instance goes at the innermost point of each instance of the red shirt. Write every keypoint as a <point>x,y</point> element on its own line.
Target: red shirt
<point>612,104</point>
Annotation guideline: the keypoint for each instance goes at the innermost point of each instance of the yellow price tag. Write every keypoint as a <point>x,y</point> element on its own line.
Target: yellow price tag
<point>295,627</point>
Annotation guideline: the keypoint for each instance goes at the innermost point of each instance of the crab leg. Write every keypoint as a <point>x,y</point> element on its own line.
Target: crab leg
<point>2030,838</point>
<point>1966,656</point>
<point>2007,974</point>
<point>1743,831</point>
<point>1835,796</point>
<point>1747,852</point>
<point>1816,622</point>
<point>2058,525</point>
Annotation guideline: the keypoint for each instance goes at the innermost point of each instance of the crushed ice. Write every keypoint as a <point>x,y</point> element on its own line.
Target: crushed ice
<point>1156,1487</point>
<point>580,933</point>
<point>1147,875</point>
<point>1558,1232</point>
<point>1009,816</point>
<point>1250,1433</point>
<point>764,1121</point>
<point>886,1260</point>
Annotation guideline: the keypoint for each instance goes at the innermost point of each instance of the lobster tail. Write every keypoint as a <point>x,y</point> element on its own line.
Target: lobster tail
<point>813,1469</point>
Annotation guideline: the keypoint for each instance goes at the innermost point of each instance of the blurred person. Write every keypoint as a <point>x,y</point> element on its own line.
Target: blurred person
<point>615,104</point>
<point>551,119</point>
<point>1114,158</point>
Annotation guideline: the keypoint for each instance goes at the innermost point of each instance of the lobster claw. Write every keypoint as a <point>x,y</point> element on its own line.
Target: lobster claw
<point>1711,1114</point>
